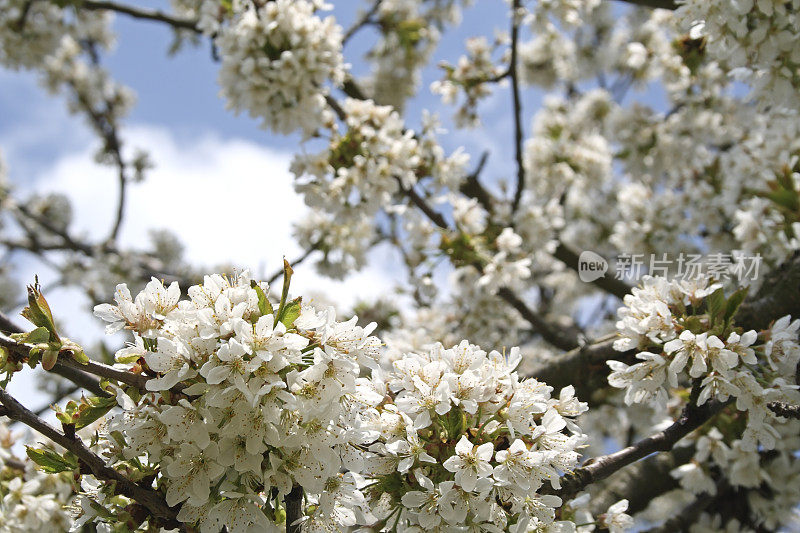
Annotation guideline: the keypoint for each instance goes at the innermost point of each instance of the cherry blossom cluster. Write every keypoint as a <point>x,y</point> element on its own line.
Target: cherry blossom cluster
<point>367,162</point>
<point>409,33</point>
<point>247,398</point>
<point>463,440</point>
<point>685,331</point>
<point>239,399</point>
<point>755,40</point>
<point>31,500</point>
<point>471,75</point>
<point>769,480</point>
<point>276,62</point>
<point>62,46</point>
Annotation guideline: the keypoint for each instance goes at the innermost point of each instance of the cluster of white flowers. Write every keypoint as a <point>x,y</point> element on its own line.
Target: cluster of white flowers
<point>409,33</point>
<point>276,62</point>
<point>359,174</point>
<point>262,402</point>
<point>247,398</point>
<point>756,40</point>
<point>471,75</point>
<point>685,329</point>
<point>461,440</point>
<point>43,36</point>
<point>209,14</point>
<point>769,480</point>
<point>30,500</point>
<point>29,32</point>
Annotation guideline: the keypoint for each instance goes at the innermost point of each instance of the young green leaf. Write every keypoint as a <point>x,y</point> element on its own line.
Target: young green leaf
<point>49,461</point>
<point>264,307</point>
<point>38,311</point>
<point>291,312</point>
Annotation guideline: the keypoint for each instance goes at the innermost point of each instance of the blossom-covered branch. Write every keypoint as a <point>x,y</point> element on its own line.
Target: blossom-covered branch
<point>150,499</point>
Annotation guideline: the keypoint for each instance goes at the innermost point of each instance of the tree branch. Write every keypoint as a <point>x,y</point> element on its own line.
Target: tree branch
<point>778,296</point>
<point>660,4</point>
<point>517,104</point>
<point>149,498</point>
<point>785,410</point>
<point>361,22</point>
<point>294,509</point>
<point>642,482</point>
<point>609,284</point>
<point>601,467</point>
<point>563,338</point>
<point>140,13</point>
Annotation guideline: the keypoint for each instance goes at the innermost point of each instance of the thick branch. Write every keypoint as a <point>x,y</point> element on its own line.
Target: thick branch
<point>785,410</point>
<point>663,441</point>
<point>145,496</point>
<point>583,367</point>
<point>140,13</point>
<point>779,295</point>
<point>642,482</point>
<point>607,283</point>
<point>563,338</point>
<point>75,375</point>
<point>294,509</point>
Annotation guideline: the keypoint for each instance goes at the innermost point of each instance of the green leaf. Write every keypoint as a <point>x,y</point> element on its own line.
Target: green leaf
<point>37,336</point>
<point>291,312</point>
<point>785,198</point>
<point>38,311</point>
<point>264,307</point>
<point>716,305</point>
<point>94,408</point>
<point>49,461</point>
<point>734,302</point>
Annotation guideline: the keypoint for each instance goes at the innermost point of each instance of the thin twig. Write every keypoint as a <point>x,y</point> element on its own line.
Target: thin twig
<point>361,22</point>
<point>517,103</point>
<point>140,13</point>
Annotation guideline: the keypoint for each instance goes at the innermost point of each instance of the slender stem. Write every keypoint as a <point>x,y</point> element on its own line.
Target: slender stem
<point>517,104</point>
<point>302,257</point>
<point>362,21</point>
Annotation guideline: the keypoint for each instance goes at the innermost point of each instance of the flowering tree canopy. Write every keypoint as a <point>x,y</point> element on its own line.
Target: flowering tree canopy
<point>616,343</point>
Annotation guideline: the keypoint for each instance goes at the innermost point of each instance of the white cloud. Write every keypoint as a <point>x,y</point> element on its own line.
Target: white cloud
<point>229,200</point>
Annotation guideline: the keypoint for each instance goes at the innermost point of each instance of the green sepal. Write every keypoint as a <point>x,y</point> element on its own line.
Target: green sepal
<point>287,279</point>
